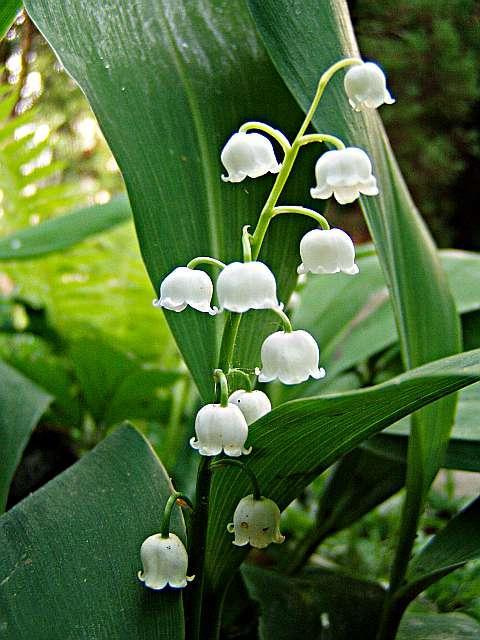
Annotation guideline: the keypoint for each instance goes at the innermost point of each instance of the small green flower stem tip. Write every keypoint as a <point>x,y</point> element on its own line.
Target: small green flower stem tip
<point>221,378</point>
<point>244,377</point>
<point>165,530</point>
<point>303,211</point>
<point>287,325</point>
<point>205,260</point>
<point>247,247</point>
<point>238,463</point>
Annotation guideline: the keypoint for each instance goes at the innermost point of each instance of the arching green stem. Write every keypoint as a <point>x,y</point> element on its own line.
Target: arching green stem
<point>287,325</point>
<point>275,133</point>
<point>246,246</point>
<point>167,512</point>
<point>244,375</point>
<point>205,260</point>
<point>321,137</point>
<point>238,463</point>
<point>220,377</point>
<point>303,211</point>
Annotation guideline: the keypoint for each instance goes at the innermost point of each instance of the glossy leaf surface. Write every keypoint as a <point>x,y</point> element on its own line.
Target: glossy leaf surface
<point>23,404</point>
<point>75,545</point>
<point>169,83</point>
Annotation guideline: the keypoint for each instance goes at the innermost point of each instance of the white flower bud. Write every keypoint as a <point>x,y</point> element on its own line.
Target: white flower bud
<point>164,561</point>
<point>220,428</point>
<point>256,522</point>
<point>366,87</point>
<point>246,285</point>
<point>289,356</point>
<point>345,173</point>
<point>253,404</point>
<point>327,251</point>
<point>184,286</point>
<point>248,154</point>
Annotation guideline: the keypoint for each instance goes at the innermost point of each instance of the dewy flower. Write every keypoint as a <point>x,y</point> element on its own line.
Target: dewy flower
<point>185,286</point>
<point>253,404</point>
<point>220,428</point>
<point>345,173</point>
<point>256,522</point>
<point>246,285</point>
<point>327,251</point>
<point>248,154</point>
<point>164,561</point>
<point>292,357</point>
<point>366,87</point>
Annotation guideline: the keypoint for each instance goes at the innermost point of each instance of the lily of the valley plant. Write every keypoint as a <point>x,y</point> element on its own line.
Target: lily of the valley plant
<point>291,356</point>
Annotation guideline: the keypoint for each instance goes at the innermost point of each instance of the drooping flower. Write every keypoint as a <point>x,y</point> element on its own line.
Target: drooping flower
<point>327,251</point>
<point>292,357</point>
<point>164,561</point>
<point>253,404</point>
<point>345,173</point>
<point>185,286</point>
<point>220,428</point>
<point>246,285</point>
<point>256,522</point>
<point>248,154</point>
<point>366,87</point>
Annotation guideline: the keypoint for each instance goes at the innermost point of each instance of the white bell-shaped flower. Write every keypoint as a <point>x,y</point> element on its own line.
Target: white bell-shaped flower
<point>292,357</point>
<point>256,522</point>
<point>366,87</point>
<point>164,561</point>
<point>220,428</point>
<point>185,286</point>
<point>345,173</point>
<point>327,251</point>
<point>248,154</point>
<point>253,404</point>
<point>246,285</point>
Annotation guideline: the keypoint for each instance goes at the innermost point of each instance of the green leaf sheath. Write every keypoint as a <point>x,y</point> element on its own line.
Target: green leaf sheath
<point>22,405</point>
<point>8,11</point>
<point>75,545</point>
<point>169,84</point>
<point>64,232</point>
<point>298,440</point>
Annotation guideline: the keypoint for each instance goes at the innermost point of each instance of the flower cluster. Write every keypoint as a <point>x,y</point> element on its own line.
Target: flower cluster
<point>290,356</point>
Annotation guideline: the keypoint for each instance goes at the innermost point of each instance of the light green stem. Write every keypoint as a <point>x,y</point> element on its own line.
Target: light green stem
<point>303,211</point>
<point>322,137</point>
<point>238,463</point>
<point>165,530</point>
<point>220,377</point>
<point>246,246</point>
<point>287,325</point>
<point>205,260</point>
<point>244,375</point>
<point>275,133</point>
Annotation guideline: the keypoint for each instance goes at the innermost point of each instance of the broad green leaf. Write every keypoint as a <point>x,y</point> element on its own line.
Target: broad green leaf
<point>22,405</point>
<point>438,626</point>
<point>318,604</point>
<point>455,544</point>
<point>8,11</point>
<point>169,84</point>
<point>464,446</point>
<point>70,552</point>
<point>63,232</point>
<point>297,441</point>
<point>303,40</point>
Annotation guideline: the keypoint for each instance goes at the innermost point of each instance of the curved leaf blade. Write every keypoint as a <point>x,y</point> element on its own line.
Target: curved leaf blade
<point>297,441</point>
<point>75,545</point>
<point>64,232</point>
<point>169,83</point>
<point>23,404</point>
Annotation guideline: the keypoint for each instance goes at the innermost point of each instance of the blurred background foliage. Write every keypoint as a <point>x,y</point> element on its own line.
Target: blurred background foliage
<point>80,324</point>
